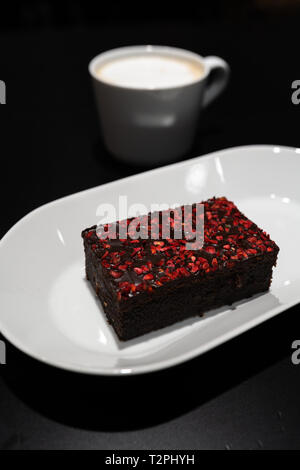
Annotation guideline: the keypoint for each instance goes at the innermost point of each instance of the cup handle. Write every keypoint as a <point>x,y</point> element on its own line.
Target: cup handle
<point>218,75</point>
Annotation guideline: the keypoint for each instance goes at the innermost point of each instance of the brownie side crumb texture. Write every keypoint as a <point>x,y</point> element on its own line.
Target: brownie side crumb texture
<point>144,285</point>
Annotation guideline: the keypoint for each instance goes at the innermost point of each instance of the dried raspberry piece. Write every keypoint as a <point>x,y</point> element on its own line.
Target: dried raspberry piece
<point>122,267</point>
<point>115,274</point>
<point>194,268</point>
<point>166,248</point>
<point>104,255</point>
<point>170,263</point>
<point>124,285</point>
<point>115,258</point>
<point>184,271</point>
<point>138,270</point>
<point>136,250</point>
<point>210,249</point>
<point>161,262</point>
<point>209,240</point>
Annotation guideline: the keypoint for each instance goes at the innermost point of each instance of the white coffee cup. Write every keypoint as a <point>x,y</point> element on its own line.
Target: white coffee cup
<point>149,109</point>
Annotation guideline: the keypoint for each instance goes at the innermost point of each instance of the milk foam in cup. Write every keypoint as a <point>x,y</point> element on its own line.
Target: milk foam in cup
<point>150,71</point>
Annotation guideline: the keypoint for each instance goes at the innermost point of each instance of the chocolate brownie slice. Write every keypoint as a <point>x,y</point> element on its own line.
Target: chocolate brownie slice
<point>147,284</point>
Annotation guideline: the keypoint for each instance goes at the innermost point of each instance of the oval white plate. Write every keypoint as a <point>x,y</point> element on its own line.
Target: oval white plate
<point>48,310</point>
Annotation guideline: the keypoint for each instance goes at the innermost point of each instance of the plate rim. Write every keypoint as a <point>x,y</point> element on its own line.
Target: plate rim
<point>166,363</point>
<point>138,175</point>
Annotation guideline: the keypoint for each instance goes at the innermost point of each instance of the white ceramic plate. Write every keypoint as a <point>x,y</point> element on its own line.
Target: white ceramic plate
<point>48,310</point>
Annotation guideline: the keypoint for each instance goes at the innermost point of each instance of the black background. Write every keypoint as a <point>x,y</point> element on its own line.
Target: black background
<point>244,394</point>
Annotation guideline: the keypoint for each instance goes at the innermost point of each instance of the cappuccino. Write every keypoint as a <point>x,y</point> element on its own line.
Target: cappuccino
<point>150,71</point>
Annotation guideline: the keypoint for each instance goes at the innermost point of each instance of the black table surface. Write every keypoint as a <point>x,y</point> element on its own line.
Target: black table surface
<point>243,394</point>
